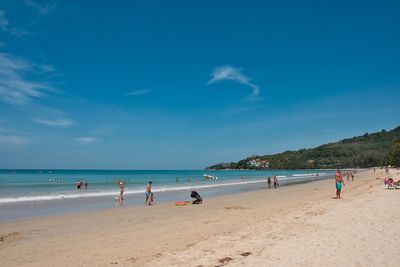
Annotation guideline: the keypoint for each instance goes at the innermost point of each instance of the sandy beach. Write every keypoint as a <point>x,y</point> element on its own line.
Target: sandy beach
<point>297,225</point>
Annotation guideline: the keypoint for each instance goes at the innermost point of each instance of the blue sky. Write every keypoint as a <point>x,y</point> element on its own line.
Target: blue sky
<point>185,84</point>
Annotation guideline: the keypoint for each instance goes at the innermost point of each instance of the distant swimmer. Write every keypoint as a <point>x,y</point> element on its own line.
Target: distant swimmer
<point>339,183</point>
<point>148,192</point>
<point>79,184</point>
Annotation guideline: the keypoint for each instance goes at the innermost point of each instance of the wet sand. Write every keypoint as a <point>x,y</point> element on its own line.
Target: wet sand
<point>298,225</point>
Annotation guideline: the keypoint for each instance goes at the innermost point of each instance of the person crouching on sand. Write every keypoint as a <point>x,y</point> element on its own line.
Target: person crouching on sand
<point>148,192</point>
<point>339,183</point>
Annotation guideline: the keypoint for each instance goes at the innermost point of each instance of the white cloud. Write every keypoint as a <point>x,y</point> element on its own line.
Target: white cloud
<point>3,20</point>
<point>41,9</point>
<point>46,67</point>
<point>5,26</point>
<point>138,92</point>
<point>86,140</point>
<point>14,87</point>
<point>233,74</point>
<point>13,140</point>
<point>56,122</point>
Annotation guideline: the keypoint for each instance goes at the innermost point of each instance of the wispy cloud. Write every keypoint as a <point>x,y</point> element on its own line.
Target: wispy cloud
<point>56,122</point>
<point>138,92</point>
<point>41,9</point>
<point>46,67</point>
<point>14,87</point>
<point>5,26</point>
<point>3,20</point>
<point>82,141</point>
<point>13,140</point>
<point>225,73</point>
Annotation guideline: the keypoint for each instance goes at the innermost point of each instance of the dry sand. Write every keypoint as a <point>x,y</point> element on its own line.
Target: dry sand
<point>299,225</point>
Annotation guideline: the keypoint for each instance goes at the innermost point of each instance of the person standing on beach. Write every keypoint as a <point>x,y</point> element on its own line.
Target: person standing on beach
<point>85,184</point>
<point>339,183</point>
<point>352,175</point>
<point>269,182</point>
<point>148,192</point>
<point>348,176</point>
<point>121,184</point>
<point>276,182</point>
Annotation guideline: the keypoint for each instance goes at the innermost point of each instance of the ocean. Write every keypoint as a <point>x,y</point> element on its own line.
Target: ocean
<point>32,193</point>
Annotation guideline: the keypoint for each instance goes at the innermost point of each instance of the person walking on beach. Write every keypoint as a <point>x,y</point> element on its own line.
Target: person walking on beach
<point>339,183</point>
<point>348,176</point>
<point>352,175</point>
<point>269,182</point>
<point>121,184</point>
<point>148,192</point>
<point>85,184</point>
<point>276,182</point>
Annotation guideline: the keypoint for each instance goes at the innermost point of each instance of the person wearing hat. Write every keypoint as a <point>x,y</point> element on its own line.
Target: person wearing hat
<point>148,192</point>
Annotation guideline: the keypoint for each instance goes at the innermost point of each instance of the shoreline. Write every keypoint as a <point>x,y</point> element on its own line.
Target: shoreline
<point>165,235</point>
<point>85,202</point>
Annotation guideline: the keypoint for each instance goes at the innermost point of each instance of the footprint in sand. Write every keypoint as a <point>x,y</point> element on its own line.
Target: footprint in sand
<point>14,236</point>
<point>245,254</point>
<point>235,207</point>
<point>225,260</point>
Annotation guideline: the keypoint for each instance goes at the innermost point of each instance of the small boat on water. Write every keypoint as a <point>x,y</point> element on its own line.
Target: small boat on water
<point>210,177</point>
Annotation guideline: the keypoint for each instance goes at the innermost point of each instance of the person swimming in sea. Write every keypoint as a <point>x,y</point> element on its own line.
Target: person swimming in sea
<point>339,183</point>
<point>79,185</point>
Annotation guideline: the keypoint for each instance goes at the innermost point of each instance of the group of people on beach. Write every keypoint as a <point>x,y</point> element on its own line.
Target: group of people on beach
<point>149,201</point>
<point>276,183</point>
<point>149,195</point>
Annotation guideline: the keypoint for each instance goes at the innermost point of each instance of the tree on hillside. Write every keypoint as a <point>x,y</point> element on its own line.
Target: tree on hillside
<point>394,154</point>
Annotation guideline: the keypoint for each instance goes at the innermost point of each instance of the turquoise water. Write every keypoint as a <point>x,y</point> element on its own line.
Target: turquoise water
<point>32,193</point>
<point>19,186</point>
